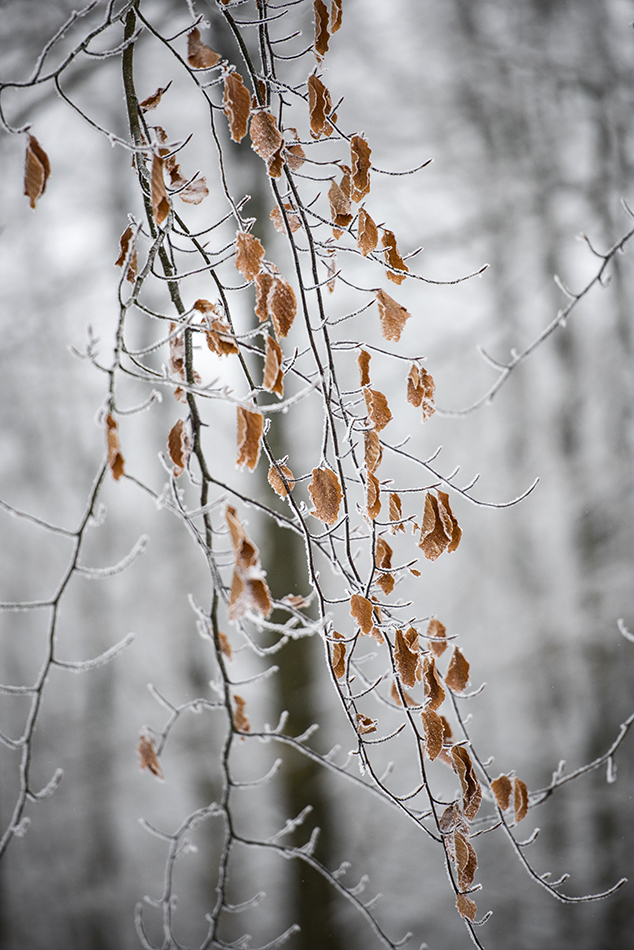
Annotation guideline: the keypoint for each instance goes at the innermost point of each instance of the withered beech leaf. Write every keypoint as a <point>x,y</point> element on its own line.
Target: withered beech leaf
<point>249,590</point>
<point>386,583</point>
<point>294,221</point>
<point>225,646</point>
<point>250,429</point>
<point>152,101</point>
<point>420,390</point>
<point>457,675</point>
<point>466,907</point>
<point>362,610</point>
<point>326,494</point>
<point>407,658</point>
<point>220,339</point>
<point>434,693</point>
<point>365,724</point>
<point>124,247</point>
<point>338,656</point>
<point>438,631</point>
<point>367,234</point>
<point>378,409</point>
<point>267,141</point>
<point>433,729</point>
<point>263,285</point>
<point>452,527</point>
<point>372,496</point>
<point>179,446</point>
<point>240,718</point>
<point>37,169</point>
<point>520,799</point>
<point>273,376</point>
<point>383,554</point>
<point>199,55</point>
<point>471,791</point>
<point>249,255</point>
<point>147,756</point>
<point>277,483</point>
<point>465,859</point>
<point>177,352</point>
<point>160,203</point>
<point>440,530</point>
<point>392,257</point>
<point>395,694</point>
<point>363,359</point>
<point>392,316</point>
<point>335,15</point>
<point>319,106</point>
<point>373,450</point>
<point>195,192</point>
<point>502,788</point>
<point>322,34</point>
<point>282,306</point>
<point>360,153</point>
<point>295,155</point>
<point>115,458</point>
<point>237,105</point>
<point>447,731</point>
<point>340,208</point>
<point>396,513</point>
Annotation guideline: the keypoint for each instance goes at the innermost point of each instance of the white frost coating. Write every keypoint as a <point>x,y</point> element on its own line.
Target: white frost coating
<point>82,666</point>
<point>623,630</point>
<point>96,573</point>
<point>50,787</point>
<point>21,829</point>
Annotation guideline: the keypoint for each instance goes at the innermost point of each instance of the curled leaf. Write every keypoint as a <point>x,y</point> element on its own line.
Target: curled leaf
<point>294,221</point>
<point>237,105</point>
<point>363,359</point>
<point>520,799</point>
<point>263,286</point>
<point>250,429</point>
<point>147,756</point>
<point>373,496</point>
<point>220,338</point>
<point>199,55</point>
<point>338,659</point>
<point>340,208</point>
<point>367,233</point>
<point>466,907</point>
<point>249,590</point>
<point>319,106</point>
<point>396,513</point>
<point>37,169</point>
<point>392,257</point>
<point>179,446</point>
<point>273,376</point>
<point>335,15</point>
<point>322,34</point>
<point>282,306</point>
<point>465,859</point>
<point>152,101</point>
<point>360,153</point>
<point>434,693</point>
<point>377,406</point>
<point>277,482</point>
<point>115,458</point>
<point>471,791</point>
<point>433,729</point>
<point>383,554</point>
<point>249,255</point>
<point>440,530</point>
<point>373,450</point>
<point>240,718</point>
<point>225,646</point>
<point>407,657</point>
<point>365,724</point>
<point>267,141</point>
<point>124,247</point>
<point>326,494</point>
<point>392,316</point>
<point>420,390</point>
<point>160,203</point>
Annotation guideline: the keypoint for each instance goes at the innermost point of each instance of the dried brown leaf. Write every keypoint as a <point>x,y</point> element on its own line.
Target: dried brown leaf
<point>502,788</point>
<point>152,101</point>
<point>160,203</point>
<point>440,530</point>
<point>360,153</point>
<point>449,520</point>
<point>225,646</point>
<point>407,658</point>
<point>392,316</point>
<point>432,727</point>
<point>465,859</point>
<point>340,208</point>
<point>363,612</point>
<point>373,450</point>
<point>338,659</point>
<point>248,588</point>
<point>363,359</point>
<point>447,731</point>
<point>373,496</point>
<point>383,554</point>
<point>335,15</point>
<point>322,33</point>
<point>124,246</point>
<point>237,105</point>
<point>420,390</point>
<point>220,338</point>
<point>365,724</point>
<point>395,694</point>
<point>273,375</point>
<point>520,799</point>
<point>195,192</point>
<point>326,494</point>
<point>396,513</point>
<point>276,482</point>
<point>294,221</point>
<point>250,429</point>
<point>438,631</point>
<point>377,406</point>
<point>199,55</point>
<point>457,675</point>
<point>267,141</point>
<point>282,306</point>
<point>249,255</point>
<point>115,458</point>
<point>466,906</point>
<point>295,155</point>
<point>147,756</point>
<point>319,106</point>
<point>367,234</point>
<point>386,583</point>
<point>179,446</point>
<point>471,791</point>
<point>392,257</point>
<point>240,719</point>
<point>434,693</point>
<point>263,286</point>
<point>37,169</point>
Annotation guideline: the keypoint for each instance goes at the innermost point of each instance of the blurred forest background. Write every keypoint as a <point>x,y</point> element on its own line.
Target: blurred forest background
<point>527,110</point>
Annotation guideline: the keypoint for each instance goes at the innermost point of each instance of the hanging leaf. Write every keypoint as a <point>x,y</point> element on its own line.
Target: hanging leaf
<point>386,583</point>
<point>319,106</point>
<point>465,859</point>
<point>372,496</point>
<point>363,612</point>
<point>37,169</point>
<point>391,315</point>
<point>277,483</point>
<point>502,788</point>
<point>160,203</point>
<point>220,339</point>
<point>152,101</point>
<point>225,646</point>
<point>457,675</point>
<point>179,446</point>
<point>240,719</point>
<point>322,34</point>
<point>295,155</point>
<point>267,141</point>
<point>250,429</point>
<point>363,359</point>
<point>249,255</point>
<point>338,659</point>
<point>335,15</point>
<point>407,657</point>
<point>378,409</point>
<point>340,208</point>
<point>294,221</point>
<point>520,799</point>
<point>124,245</point>
<point>433,729</point>
<point>466,907</point>
<point>367,233</point>
<point>237,105</point>
<point>326,494</point>
<point>383,554</point>
<point>263,286</point>
<point>147,756</point>
<point>434,693</point>
<point>420,390</point>
<point>440,530</point>
<point>471,791</point>
<point>392,257</point>
<point>365,724</point>
<point>395,694</point>
<point>115,458</point>
<point>373,450</point>
<point>360,153</point>
<point>396,513</point>
<point>195,192</point>
<point>438,631</point>
<point>273,376</point>
<point>447,732</point>
<point>282,306</point>
<point>199,55</point>
<point>249,590</point>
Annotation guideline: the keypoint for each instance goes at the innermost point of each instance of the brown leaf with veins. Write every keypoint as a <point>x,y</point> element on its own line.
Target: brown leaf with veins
<point>237,105</point>
<point>37,169</point>
<point>326,494</point>
<point>363,360</point>
<point>407,657</point>
<point>273,375</point>
<point>362,610</point>
<point>471,791</point>
<point>340,208</point>
<point>372,496</point>
<point>433,729</point>
<point>440,530</point>
<point>420,390</point>
<point>360,153</point>
<point>199,55</point>
<point>373,450</point>
<point>267,141</point>
<point>282,306</point>
<point>466,860</point>
<point>335,15</point>
<point>520,799</point>
<point>383,554</point>
<point>115,458</point>
<point>377,406</point>
<point>220,339</point>
<point>160,203</point>
<point>434,693</point>
<point>392,257</point>
<point>392,316</point>
<point>319,106</point>
<point>249,590</point>
<point>250,429</point>
<point>438,631</point>
<point>322,34</point>
<point>179,446</point>
<point>249,255</point>
<point>502,788</point>
<point>396,513</point>
<point>276,482</point>
<point>457,675</point>
<point>367,233</point>
<point>338,656</point>
<point>466,906</point>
